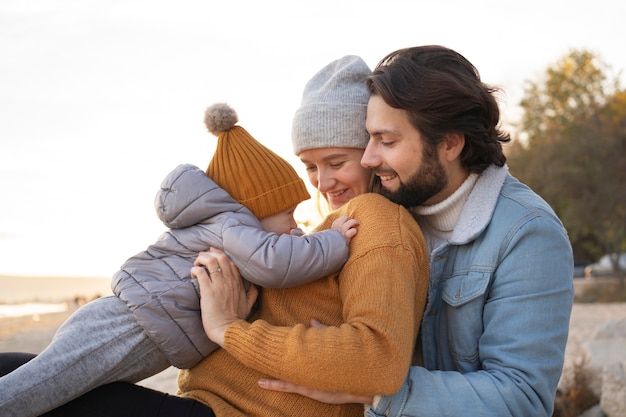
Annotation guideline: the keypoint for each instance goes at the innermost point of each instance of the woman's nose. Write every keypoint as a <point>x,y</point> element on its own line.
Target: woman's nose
<point>325,181</point>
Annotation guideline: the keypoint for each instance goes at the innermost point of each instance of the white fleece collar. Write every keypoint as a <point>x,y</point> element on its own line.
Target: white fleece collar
<point>480,204</point>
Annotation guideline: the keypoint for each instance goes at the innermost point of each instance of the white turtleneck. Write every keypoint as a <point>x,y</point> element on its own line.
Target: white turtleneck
<point>438,221</point>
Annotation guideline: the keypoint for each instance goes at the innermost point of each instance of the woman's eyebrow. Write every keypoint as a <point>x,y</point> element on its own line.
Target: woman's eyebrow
<point>329,157</point>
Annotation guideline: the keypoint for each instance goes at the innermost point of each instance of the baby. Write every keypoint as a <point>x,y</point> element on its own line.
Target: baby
<point>244,205</point>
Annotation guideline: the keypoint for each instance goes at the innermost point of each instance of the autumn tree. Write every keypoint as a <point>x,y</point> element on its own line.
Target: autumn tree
<point>571,149</point>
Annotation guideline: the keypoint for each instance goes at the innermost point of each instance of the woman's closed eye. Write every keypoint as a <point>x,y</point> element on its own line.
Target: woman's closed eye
<point>336,165</point>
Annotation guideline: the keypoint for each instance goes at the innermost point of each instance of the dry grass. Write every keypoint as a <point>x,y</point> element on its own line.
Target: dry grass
<point>578,398</point>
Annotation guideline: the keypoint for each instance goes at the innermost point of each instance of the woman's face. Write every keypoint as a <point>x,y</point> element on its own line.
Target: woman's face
<point>337,173</point>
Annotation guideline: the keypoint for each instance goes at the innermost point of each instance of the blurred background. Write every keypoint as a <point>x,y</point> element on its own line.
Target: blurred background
<point>99,100</point>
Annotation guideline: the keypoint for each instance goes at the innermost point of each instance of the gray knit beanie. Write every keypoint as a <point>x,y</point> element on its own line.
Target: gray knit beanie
<point>334,106</point>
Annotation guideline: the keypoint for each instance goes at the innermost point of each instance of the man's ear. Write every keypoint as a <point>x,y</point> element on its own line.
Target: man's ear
<point>453,145</point>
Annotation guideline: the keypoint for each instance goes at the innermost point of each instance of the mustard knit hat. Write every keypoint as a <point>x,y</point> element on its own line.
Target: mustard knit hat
<point>251,173</point>
<point>333,109</point>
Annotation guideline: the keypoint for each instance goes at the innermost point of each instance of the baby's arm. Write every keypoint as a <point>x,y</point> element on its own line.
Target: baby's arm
<point>284,261</point>
<point>188,197</point>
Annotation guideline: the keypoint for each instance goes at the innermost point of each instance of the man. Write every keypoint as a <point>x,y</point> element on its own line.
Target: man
<point>494,331</point>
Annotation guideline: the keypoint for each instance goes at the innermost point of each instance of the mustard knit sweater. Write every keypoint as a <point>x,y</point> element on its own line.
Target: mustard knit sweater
<point>373,307</point>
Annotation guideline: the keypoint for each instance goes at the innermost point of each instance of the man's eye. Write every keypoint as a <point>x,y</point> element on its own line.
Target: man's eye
<point>337,164</point>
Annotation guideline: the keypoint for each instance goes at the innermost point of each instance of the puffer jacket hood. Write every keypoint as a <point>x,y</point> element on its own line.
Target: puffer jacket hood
<point>187,197</point>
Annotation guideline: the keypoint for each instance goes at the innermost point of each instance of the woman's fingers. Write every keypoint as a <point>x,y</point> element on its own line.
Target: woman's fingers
<point>321,396</point>
<point>223,298</point>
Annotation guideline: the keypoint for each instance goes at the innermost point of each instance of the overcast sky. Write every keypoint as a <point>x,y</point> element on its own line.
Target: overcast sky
<point>99,100</point>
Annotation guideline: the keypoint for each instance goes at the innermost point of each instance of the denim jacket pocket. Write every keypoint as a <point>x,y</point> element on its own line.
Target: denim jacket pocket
<point>464,298</point>
<point>463,289</point>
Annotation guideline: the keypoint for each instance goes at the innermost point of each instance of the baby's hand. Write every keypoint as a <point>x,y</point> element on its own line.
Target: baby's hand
<point>346,226</point>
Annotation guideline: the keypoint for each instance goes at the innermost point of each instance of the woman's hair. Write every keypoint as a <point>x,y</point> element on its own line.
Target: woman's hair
<point>442,93</point>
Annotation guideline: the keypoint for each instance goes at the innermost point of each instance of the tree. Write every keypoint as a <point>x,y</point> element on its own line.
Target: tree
<point>572,150</point>
<point>572,91</point>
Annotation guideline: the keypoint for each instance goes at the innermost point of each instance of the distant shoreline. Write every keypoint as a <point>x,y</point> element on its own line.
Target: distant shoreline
<point>32,309</point>
<point>16,289</point>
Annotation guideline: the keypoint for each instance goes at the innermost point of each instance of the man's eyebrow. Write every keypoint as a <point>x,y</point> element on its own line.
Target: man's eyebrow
<point>384,131</point>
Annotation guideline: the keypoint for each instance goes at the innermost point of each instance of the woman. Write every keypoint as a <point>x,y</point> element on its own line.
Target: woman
<point>372,306</point>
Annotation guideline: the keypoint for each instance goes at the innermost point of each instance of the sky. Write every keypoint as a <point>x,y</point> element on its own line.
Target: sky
<point>101,99</point>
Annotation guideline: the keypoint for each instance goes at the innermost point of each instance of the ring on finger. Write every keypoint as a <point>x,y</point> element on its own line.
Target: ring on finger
<point>217,270</point>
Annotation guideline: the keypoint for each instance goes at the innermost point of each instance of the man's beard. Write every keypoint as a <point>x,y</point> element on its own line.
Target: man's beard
<point>430,179</point>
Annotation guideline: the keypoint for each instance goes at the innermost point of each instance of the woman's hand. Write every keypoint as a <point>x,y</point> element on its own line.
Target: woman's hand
<point>321,396</point>
<point>223,298</point>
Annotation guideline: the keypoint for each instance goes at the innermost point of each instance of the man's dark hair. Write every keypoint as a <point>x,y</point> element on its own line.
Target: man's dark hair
<point>442,93</point>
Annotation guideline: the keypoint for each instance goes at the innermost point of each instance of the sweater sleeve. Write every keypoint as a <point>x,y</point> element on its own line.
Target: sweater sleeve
<point>383,290</point>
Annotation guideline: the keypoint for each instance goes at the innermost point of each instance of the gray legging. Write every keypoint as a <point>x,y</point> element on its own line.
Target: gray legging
<point>100,343</point>
<point>118,399</point>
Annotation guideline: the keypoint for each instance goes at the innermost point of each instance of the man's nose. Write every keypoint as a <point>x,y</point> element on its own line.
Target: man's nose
<point>370,158</point>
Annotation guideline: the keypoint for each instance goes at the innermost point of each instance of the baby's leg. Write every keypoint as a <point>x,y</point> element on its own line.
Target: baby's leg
<point>100,343</point>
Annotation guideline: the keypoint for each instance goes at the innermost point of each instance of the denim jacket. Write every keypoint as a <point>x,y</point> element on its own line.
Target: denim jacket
<point>494,330</point>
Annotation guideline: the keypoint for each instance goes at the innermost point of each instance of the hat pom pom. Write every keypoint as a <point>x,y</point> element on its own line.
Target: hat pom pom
<point>219,117</point>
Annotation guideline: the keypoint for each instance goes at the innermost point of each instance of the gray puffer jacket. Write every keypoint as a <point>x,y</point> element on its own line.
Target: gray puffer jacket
<point>156,283</point>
